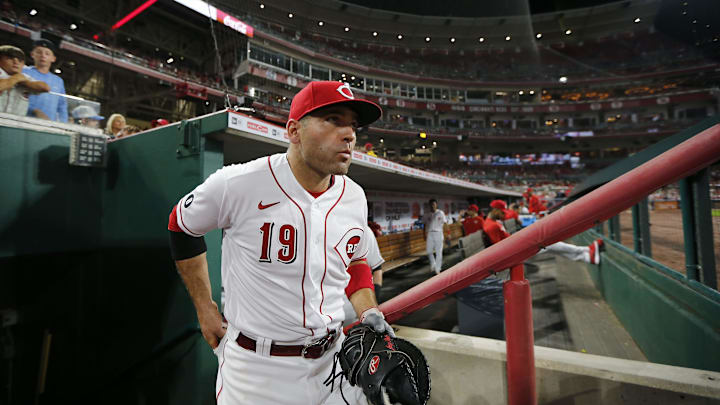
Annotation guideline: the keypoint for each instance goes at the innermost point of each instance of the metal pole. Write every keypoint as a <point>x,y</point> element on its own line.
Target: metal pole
<point>644,222</point>
<point>703,227</point>
<point>614,228</point>
<point>688,216</point>
<point>637,238</point>
<point>519,339</point>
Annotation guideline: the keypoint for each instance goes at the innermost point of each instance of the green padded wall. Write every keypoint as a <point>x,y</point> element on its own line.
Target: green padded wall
<point>673,320</point>
<point>84,256</point>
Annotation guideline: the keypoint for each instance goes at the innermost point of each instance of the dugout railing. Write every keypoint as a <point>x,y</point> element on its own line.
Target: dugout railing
<point>598,206</point>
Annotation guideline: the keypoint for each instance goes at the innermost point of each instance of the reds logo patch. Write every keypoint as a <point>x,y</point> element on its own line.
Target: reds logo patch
<point>349,244</point>
<point>352,245</point>
<point>374,364</point>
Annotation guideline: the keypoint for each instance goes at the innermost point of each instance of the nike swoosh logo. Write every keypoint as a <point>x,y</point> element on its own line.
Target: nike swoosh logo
<point>262,207</point>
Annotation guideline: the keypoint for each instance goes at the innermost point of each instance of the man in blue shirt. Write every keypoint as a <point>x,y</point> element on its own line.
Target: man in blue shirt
<point>46,105</point>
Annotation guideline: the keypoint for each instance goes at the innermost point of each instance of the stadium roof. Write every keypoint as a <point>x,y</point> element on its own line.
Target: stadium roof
<point>475,8</point>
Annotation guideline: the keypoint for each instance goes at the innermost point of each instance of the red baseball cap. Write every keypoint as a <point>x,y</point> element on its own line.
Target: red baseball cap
<point>473,207</point>
<point>499,204</point>
<point>324,93</point>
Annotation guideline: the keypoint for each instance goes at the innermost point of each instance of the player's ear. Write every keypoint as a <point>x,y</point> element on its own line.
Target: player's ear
<point>293,130</point>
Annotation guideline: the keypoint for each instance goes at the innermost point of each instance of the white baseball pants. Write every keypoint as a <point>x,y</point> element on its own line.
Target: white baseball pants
<point>572,252</point>
<point>434,244</point>
<point>247,377</point>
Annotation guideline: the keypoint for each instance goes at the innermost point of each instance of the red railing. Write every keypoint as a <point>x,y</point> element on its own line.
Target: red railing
<point>600,205</point>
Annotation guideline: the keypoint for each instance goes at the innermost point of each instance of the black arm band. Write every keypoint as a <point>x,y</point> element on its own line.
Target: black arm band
<point>184,246</point>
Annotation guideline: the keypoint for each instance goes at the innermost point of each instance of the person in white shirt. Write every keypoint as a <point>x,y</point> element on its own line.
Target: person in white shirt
<point>433,233</point>
<point>15,86</point>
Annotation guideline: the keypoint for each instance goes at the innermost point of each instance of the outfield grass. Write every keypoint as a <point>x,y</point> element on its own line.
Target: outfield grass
<point>716,212</point>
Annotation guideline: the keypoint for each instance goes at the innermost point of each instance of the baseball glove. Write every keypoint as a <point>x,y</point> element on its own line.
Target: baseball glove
<point>381,364</point>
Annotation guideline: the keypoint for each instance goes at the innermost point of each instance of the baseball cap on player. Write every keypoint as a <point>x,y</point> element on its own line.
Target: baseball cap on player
<point>473,207</point>
<point>499,204</point>
<point>325,93</point>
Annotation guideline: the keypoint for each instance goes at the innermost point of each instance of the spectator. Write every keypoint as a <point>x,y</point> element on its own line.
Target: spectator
<point>15,86</point>
<point>159,122</point>
<point>48,106</point>
<point>86,116</point>
<point>369,149</point>
<point>128,130</point>
<point>115,124</point>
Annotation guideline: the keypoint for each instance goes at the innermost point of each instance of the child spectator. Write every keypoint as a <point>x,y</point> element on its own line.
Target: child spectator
<point>86,116</point>
<point>47,106</point>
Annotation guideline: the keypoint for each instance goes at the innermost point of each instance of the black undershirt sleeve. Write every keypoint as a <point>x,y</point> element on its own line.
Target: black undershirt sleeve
<point>184,246</point>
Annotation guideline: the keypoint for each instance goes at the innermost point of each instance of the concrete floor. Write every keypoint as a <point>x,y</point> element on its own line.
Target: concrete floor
<point>568,312</point>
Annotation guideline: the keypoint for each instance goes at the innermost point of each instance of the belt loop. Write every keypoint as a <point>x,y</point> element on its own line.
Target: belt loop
<point>262,346</point>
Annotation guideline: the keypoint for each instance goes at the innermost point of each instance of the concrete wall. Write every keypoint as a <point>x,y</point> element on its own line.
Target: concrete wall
<point>469,370</point>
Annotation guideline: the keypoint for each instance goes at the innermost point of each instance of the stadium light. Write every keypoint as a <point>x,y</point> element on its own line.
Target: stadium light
<point>521,92</point>
<point>538,35</point>
<point>452,40</point>
<point>73,26</point>
<point>58,71</point>
<point>170,60</point>
<point>507,38</point>
<point>320,23</point>
<point>290,15</point>
<point>481,39</point>
<point>347,29</point>
<point>423,135</point>
<point>132,14</point>
<point>563,79</point>
<point>568,31</point>
<point>262,5</point>
<point>532,92</point>
<point>400,36</point>
<point>374,32</point>
<point>33,12</point>
<point>637,20</point>
<point>427,39</point>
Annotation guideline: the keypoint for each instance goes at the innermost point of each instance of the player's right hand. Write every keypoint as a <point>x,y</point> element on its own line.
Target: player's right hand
<point>211,325</point>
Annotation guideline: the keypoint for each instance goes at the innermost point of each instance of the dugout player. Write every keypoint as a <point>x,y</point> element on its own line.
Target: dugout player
<point>433,232</point>
<point>496,232</point>
<point>473,222</point>
<point>295,240</point>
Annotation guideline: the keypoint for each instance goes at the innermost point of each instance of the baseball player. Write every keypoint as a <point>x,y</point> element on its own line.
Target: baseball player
<point>533,202</point>
<point>375,261</point>
<point>433,233</point>
<point>473,222</point>
<point>295,240</point>
<point>495,231</point>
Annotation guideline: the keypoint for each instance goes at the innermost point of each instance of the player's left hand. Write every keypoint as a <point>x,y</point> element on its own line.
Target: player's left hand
<point>376,320</point>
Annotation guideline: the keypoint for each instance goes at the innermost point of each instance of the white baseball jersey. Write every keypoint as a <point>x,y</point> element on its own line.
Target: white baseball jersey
<point>374,258</point>
<point>434,221</point>
<point>284,253</point>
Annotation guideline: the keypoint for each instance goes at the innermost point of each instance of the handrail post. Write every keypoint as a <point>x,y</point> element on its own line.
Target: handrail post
<point>700,182</point>
<point>519,339</point>
<point>614,228</point>
<point>641,228</point>
<point>688,217</point>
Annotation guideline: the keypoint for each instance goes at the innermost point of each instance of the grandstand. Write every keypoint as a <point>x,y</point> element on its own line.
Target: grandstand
<point>480,102</point>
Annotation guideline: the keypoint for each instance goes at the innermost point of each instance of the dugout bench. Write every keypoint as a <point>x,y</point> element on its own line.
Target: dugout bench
<point>400,249</point>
